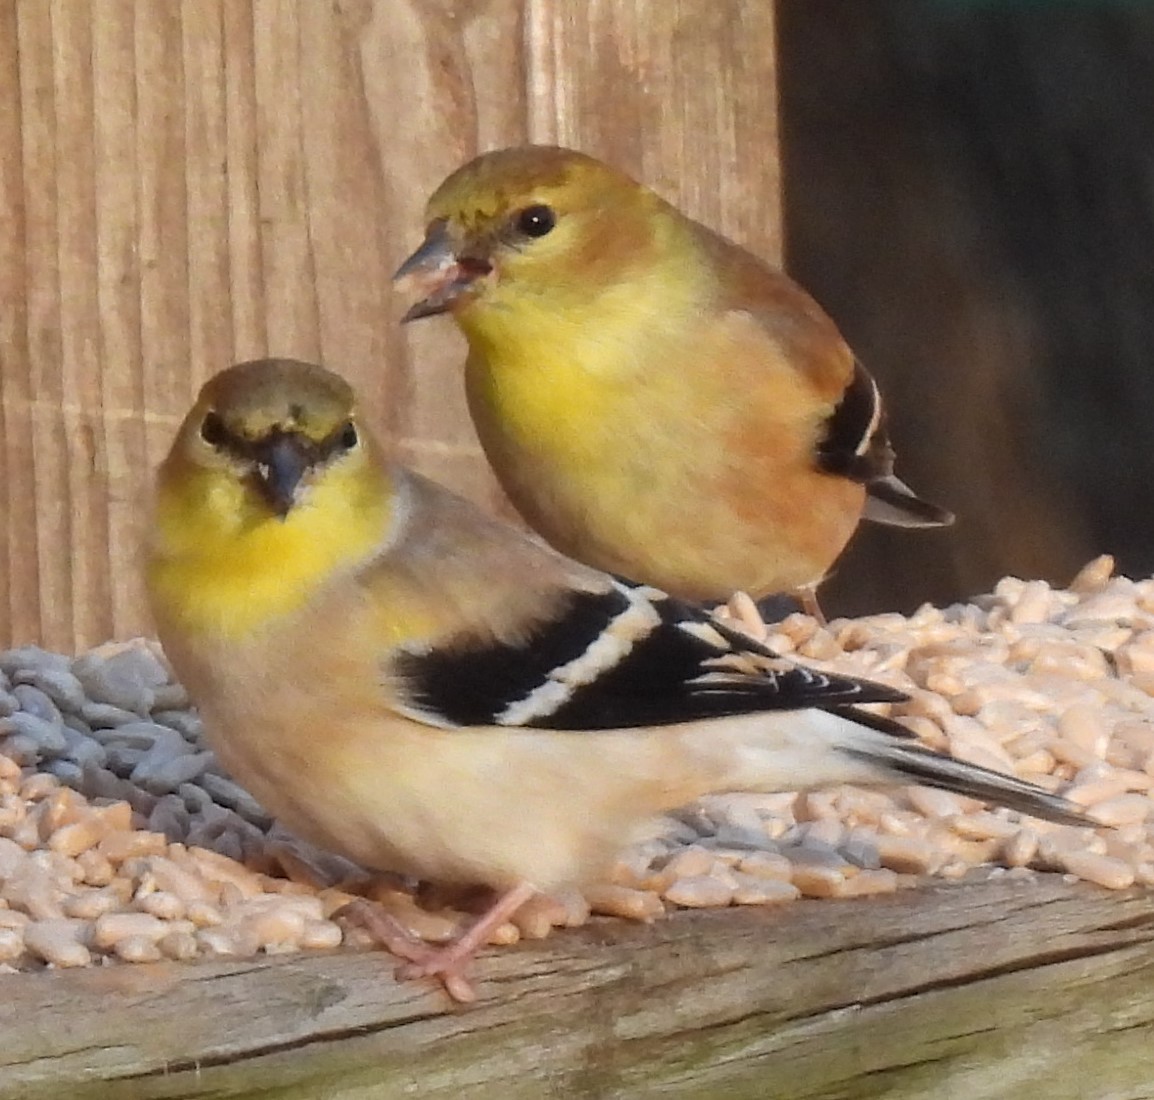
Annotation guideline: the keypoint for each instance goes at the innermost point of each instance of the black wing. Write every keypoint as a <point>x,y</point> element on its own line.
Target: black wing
<point>856,445</point>
<point>625,657</point>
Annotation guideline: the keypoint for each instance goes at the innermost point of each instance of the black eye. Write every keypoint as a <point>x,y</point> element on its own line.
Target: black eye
<point>536,221</point>
<point>349,437</point>
<point>212,430</point>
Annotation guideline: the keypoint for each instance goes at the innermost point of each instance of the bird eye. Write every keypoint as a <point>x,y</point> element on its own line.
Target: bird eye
<point>536,221</point>
<point>349,436</point>
<point>212,430</point>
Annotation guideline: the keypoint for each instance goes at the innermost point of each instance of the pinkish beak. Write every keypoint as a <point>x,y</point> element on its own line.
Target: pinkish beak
<point>437,274</point>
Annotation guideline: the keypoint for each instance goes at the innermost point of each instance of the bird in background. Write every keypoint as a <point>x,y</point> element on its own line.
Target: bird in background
<point>656,401</point>
<point>424,689</point>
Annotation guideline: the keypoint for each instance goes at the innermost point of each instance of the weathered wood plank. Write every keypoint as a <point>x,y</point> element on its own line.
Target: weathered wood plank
<point>977,991</point>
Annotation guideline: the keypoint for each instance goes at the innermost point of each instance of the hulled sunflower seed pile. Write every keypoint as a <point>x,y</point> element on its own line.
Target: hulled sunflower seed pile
<point>122,839</point>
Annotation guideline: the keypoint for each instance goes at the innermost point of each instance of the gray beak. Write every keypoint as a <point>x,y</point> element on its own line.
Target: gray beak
<point>279,471</point>
<point>437,274</point>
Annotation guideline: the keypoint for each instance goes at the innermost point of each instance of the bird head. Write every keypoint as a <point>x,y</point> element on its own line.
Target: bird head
<point>271,488</point>
<point>270,430</point>
<point>532,225</point>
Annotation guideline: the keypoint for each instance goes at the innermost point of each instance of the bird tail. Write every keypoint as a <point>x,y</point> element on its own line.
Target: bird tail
<point>842,744</point>
<point>890,501</point>
<point>892,748</point>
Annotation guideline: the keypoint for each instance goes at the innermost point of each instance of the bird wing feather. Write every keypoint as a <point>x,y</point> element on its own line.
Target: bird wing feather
<point>546,643</point>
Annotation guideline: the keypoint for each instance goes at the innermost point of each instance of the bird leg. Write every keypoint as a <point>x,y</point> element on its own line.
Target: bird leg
<point>756,618</point>
<point>807,597</point>
<point>448,963</point>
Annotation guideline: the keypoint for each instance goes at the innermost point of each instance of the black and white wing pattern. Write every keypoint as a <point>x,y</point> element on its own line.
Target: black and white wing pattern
<point>856,445</point>
<point>625,657</point>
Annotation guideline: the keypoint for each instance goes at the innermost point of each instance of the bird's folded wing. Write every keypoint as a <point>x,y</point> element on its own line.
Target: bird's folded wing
<point>856,445</point>
<point>624,657</point>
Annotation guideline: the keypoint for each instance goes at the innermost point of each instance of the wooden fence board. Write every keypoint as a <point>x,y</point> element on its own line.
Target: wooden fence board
<point>1001,990</point>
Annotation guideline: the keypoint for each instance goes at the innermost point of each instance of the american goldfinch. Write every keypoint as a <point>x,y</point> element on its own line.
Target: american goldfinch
<point>656,401</point>
<point>425,689</point>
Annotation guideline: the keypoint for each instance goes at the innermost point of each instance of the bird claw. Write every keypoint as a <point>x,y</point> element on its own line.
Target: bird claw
<point>421,961</point>
<point>389,932</point>
<point>448,966</point>
<point>448,963</point>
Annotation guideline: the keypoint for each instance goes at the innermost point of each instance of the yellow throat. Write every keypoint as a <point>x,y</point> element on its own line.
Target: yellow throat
<point>221,565</point>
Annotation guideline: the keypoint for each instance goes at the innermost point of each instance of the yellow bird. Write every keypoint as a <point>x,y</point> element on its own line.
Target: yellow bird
<point>656,401</point>
<point>424,689</point>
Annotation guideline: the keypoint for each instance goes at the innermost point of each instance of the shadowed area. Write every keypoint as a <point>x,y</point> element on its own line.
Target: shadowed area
<point>969,191</point>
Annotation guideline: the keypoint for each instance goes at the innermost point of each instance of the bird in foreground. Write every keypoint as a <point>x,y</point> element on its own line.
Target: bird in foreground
<point>427,690</point>
<point>656,401</point>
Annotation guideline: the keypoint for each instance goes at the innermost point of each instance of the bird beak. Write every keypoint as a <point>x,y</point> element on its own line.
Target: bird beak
<point>279,470</point>
<point>438,274</point>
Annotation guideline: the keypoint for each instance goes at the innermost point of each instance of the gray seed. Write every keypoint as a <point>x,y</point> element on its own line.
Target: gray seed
<point>203,835</point>
<point>67,772</point>
<point>126,679</point>
<point>35,702</point>
<point>122,759</point>
<point>166,745</point>
<point>861,853</point>
<point>107,735</point>
<point>170,816</point>
<point>78,726</point>
<point>185,722</point>
<point>145,735</point>
<point>65,690</point>
<point>211,822</point>
<point>195,798</point>
<point>144,662</point>
<point>104,716</point>
<point>230,818</point>
<point>229,844</point>
<point>13,661</point>
<point>48,736</point>
<point>248,831</point>
<point>85,751</point>
<point>793,835</point>
<point>165,774</point>
<point>140,800</point>
<point>101,783</point>
<point>254,846</point>
<point>736,836</point>
<point>814,853</point>
<point>214,822</point>
<point>228,793</point>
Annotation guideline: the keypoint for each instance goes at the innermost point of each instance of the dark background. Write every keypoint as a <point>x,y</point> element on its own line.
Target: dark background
<point>969,191</point>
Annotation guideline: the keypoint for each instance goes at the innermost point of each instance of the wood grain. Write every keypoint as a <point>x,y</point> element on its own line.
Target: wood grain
<point>680,93</point>
<point>186,185</point>
<point>987,991</point>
